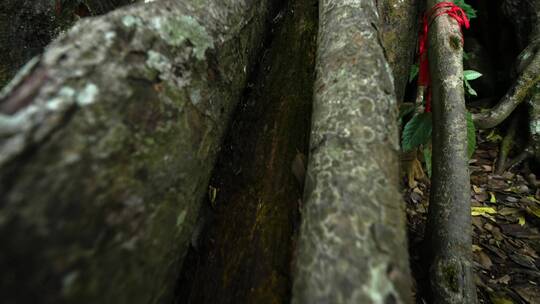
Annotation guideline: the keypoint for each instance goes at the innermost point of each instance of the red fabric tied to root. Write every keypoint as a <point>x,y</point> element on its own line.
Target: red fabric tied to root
<point>441,8</point>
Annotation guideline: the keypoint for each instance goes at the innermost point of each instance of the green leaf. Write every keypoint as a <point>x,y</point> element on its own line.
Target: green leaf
<point>471,135</point>
<point>469,10</point>
<point>492,198</point>
<point>414,71</point>
<point>466,55</point>
<point>470,90</point>
<point>471,75</point>
<point>427,158</point>
<point>417,131</point>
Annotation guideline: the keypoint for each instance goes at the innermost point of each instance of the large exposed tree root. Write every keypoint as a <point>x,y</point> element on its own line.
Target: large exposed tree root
<point>506,145</point>
<point>449,218</point>
<point>352,244</point>
<point>532,149</point>
<point>521,157</point>
<point>245,251</point>
<point>526,86</point>
<point>113,137</point>
<point>522,87</point>
<point>534,123</point>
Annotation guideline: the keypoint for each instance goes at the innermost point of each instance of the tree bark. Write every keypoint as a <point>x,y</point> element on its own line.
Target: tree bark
<point>352,244</point>
<point>107,144</point>
<point>449,216</point>
<point>27,26</point>
<point>245,252</point>
<point>534,123</point>
<point>522,87</point>
<point>398,33</point>
<point>507,144</point>
<point>525,18</point>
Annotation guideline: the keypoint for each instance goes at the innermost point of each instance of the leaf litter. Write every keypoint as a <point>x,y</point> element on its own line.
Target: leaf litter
<point>505,213</point>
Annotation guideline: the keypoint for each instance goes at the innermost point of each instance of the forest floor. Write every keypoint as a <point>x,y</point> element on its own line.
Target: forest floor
<point>506,222</point>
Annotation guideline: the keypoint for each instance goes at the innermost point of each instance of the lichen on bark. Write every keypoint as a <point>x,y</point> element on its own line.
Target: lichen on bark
<point>352,245</point>
<point>449,230</point>
<point>245,251</point>
<point>107,146</point>
<point>398,30</point>
<point>534,122</point>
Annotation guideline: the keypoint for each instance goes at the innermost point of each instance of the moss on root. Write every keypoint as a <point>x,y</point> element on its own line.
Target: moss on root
<point>109,159</point>
<point>245,252</point>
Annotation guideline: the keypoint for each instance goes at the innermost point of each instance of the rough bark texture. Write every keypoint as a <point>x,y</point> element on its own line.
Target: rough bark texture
<point>525,18</point>
<point>107,146</point>
<point>449,218</point>
<point>352,245</point>
<point>534,122</point>
<point>27,26</point>
<point>398,32</point>
<point>522,87</point>
<point>507,144</point>
<point>244,254</point>
<point>527,27</point>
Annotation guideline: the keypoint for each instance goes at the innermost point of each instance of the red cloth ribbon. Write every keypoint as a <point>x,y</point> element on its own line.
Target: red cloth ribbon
<point>441,8</point>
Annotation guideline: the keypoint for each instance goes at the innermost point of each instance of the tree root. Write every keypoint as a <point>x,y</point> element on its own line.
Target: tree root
<point>121,122</point>
<point>522,87</point>
<point>449,218</point>
<point>534,123</point>
<point>533,180</point>
<point>524,155</point>
<point>352,242</point>
<point>506,145</point>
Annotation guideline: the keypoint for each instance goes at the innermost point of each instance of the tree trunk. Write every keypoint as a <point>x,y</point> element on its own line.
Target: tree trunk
<point>107,144</point>
<point>534,123</point>
<point>398,33</point>
<point>507,144</point>
<point>244,254</point>
<point>522,88</point>
<point>525,18</point>
<point>527,26</point>
<point>27,26</point>
<point>449,218</point>
<point>352,244</point>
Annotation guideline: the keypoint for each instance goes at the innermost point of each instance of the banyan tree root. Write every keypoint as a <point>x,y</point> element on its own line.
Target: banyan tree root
<point>525,18</point>
<point>352,244</point>
<point>532,149</point>
<point>526,86</point>
<point>520,90</point>
<point>244,253</point>
<point>107,145</point>
<point>525,154</point>
<point>534,123</point>
<point>398,31</point>
<point>506,145</point>
<point>449,218</point>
